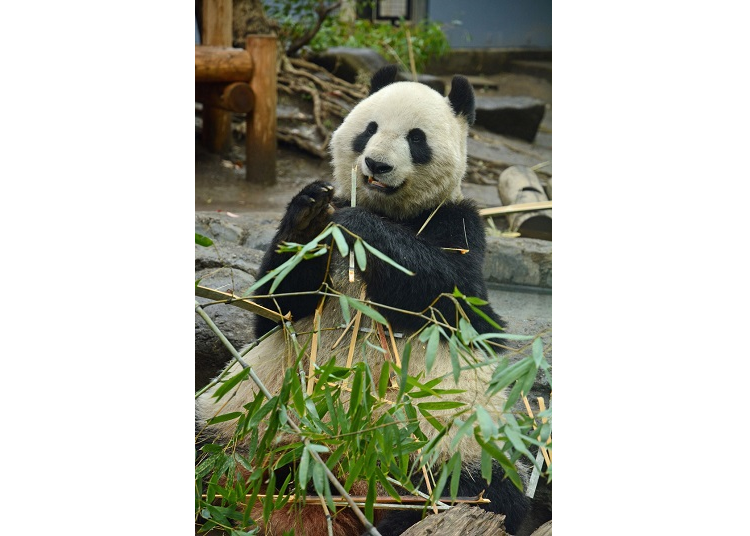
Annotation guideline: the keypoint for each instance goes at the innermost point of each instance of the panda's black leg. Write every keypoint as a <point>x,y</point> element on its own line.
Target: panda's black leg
<point>396,522</point>
<point>505,498</point>
<point>306,216</point>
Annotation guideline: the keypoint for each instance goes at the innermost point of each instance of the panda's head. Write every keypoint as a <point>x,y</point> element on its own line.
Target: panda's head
<point>408,143</point>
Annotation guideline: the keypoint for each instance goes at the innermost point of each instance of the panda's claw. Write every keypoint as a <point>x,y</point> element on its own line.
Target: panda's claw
<point>309,211</point>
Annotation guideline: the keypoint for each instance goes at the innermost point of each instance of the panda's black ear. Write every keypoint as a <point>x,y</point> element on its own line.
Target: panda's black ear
<point>461,98</point>
<point>385,75</point>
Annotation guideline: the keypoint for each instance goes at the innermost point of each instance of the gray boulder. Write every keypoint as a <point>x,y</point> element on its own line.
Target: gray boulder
<point>518,117</point>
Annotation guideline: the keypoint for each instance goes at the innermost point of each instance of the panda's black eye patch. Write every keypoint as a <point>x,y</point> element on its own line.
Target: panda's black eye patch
<point>420,150</point>
<point>417,136</point>
<point>360,142</point>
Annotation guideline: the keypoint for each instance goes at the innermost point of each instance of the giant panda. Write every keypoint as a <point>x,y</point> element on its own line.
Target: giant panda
<point>408,146</point>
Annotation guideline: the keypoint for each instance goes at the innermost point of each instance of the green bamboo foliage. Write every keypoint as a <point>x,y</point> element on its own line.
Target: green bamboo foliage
<point>369,438</point>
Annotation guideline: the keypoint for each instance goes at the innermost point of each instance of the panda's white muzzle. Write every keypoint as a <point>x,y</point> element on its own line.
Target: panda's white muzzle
<point>371,169</point>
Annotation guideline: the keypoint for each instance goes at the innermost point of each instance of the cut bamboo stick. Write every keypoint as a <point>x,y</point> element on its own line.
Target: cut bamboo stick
<point>242,303</point>
<point>520,207</point>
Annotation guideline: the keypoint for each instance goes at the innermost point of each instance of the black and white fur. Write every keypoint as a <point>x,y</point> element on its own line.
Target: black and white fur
<point>409,145</point>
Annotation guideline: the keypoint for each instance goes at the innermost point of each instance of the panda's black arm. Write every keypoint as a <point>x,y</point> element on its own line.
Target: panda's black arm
<point>306,216</point>
<point>438,270</point>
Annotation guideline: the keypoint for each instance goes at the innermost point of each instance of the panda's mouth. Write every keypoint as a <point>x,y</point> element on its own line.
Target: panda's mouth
<point>374,184</point>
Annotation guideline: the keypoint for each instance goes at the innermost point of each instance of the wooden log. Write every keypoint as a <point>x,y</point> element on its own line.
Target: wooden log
<point>234,97</point>
<point>462,519</point>
<point>217,130</point>
<point>217,23</point>
<point>217,32</point>
<point>520,185</point>
<point>222,64</point>
<point>544,530</point>
<point>261,123</point>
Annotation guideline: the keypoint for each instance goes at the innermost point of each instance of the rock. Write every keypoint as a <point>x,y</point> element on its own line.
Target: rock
<point>350,64</point>
<point>518,261</point>
<point>432,81</point>
<point>511,116</point>
<point>236,324</point>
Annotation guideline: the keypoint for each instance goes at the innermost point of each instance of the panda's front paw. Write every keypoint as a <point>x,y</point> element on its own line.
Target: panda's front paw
<point>309,212</point>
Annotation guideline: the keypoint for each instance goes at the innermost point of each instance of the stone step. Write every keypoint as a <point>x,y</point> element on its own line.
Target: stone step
<point>539,69</point>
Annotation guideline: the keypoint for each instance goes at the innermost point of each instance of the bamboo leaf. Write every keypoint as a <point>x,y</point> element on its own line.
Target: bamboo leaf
<point>338,236</point>
<point>513,434</point>
<point>456,472</point>
<point>383,257</point>
<point>463,430</point>
<point>261,413</point>
<point>485,317</point>
<point>366,310</point>
<point>203,240</point>
<point>432,347</point>
<point>492,450</point>
<point>370,501</point>
<point>503,378</point>
<point>268,499</point>
<point>487,424</point>
<point>455,363</point>
<point>359,253</point>
<point>445,404</point>
<point>345,312</point>
<point>468,333</point>
<point>406,354</point>
<point>230,383</point>
<point>384,377</point>
<point>319,479</point>
<point>304,466</point>
<point>536,352</point>
<point>432,420</point>
<point>440,484</point>
<point>486,464</point>
<point>354,472</point>
<point>225,417</point>
<point>386,484</point>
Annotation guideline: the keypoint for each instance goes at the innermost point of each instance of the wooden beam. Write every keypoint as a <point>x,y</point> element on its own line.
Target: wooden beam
<point>233,97</point>
<point>217,23</point>
<point>261,124</point>
<point>222,64</point>
<point>520,207</point>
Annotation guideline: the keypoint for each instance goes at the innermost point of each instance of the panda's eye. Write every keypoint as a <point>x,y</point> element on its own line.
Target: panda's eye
<point>417,136</point>
<point>372,128</point>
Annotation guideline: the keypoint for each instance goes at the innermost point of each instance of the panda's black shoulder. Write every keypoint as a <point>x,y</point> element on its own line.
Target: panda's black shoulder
<point>465,209</point>
<point>457,222</point>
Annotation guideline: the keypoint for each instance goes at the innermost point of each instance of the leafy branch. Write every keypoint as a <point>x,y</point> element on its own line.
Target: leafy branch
<point>354,421</point>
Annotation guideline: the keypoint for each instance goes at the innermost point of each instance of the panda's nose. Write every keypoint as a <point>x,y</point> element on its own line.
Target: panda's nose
<point>377,168</point>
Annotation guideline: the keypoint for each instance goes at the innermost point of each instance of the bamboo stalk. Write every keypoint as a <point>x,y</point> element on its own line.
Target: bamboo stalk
<point>386,501</point>
<point>242,303</point>
<point>369,527</point>
<point>314,350</point>
<point>540,400</point>
<point>520,207</point>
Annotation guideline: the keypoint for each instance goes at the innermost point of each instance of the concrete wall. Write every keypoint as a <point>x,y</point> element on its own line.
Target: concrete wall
<point>494,23</point>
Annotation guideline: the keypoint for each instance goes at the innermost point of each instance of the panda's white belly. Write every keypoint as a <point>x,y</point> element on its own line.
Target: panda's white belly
<point>275,355</point>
